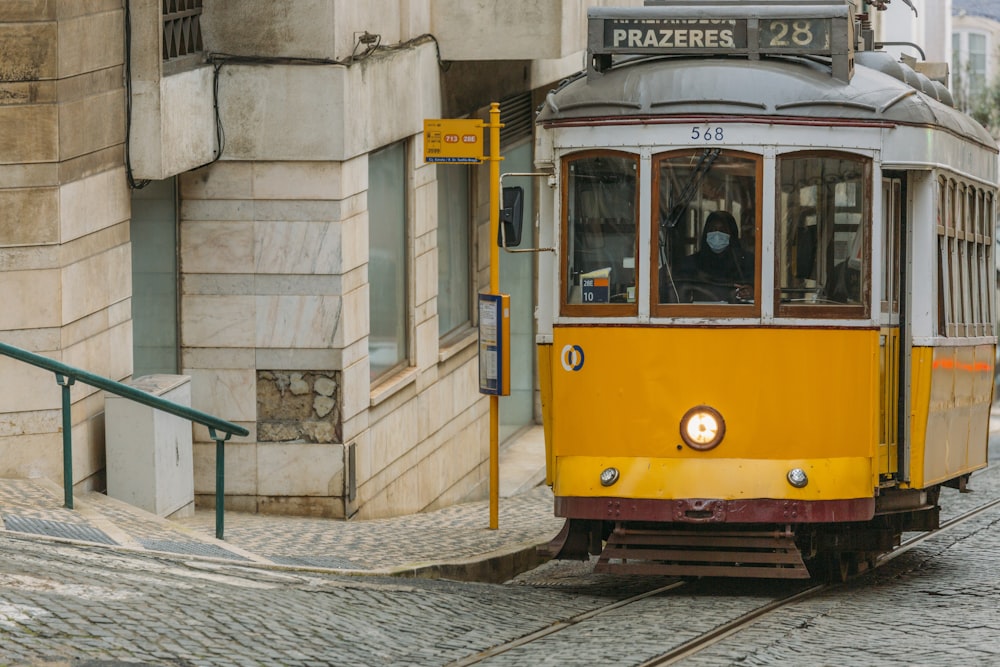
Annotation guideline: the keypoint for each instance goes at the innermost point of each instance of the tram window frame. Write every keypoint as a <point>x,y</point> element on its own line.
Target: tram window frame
<point>989,238</point>
<point>567,307</point>
<point>988,222</point>
<point>957,322</point>
<point>944,317</point>
<point>966,280</point>
<point>817,307</point>
<point>660,308</point>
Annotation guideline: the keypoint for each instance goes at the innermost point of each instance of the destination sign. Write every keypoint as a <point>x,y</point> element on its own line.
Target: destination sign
<point>814,27</point>
<point>675,34</point>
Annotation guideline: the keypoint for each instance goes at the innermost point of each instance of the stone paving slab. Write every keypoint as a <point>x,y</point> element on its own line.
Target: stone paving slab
<point>454,542</point>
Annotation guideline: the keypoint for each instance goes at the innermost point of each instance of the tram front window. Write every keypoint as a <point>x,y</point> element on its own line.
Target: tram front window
<point>707,212</point>
<point>601,222</point>
<point>822,213</point>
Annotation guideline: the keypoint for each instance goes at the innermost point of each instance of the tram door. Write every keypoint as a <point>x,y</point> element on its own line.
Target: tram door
<point>517,279</point>
<point>892,326</point>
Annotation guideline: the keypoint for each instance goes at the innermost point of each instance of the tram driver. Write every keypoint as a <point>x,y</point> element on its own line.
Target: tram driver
<point>719,264</point>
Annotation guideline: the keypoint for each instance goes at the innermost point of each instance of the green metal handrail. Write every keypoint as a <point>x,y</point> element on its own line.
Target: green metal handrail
<point>67,375</point>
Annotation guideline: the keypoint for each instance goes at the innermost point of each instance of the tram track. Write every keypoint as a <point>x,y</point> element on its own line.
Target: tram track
<point>726,629</point>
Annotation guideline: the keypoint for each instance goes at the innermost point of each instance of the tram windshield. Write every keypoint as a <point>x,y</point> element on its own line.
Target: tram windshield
<point>601,212</point>
<point>707,212</point>
<point>821,236</point>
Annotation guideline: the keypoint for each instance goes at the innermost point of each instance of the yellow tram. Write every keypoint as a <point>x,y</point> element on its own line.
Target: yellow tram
<point>766,335</point>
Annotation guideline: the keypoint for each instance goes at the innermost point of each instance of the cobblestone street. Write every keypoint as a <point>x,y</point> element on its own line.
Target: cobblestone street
<point>59,601</point>
<point>62,602</point>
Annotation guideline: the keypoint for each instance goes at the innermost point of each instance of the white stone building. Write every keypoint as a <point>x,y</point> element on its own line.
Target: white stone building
<point>920,29</point>
<point>290,250</point>
<point>975,43</point>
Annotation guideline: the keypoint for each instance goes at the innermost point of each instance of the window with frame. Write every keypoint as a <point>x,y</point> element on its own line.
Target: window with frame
<point>706,212</point>
<point>976,62</point>
<point>965,284</point>
<point>454,273</point>
<point>600,213</point>
<point>823,235</point>
<point>387,266</point>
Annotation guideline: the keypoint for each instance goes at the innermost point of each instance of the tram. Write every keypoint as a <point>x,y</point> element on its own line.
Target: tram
<point>766,335</point>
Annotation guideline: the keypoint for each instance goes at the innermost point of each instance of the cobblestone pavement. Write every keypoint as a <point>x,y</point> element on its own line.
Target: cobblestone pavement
<point>63,601</point>
<point>455,541</point>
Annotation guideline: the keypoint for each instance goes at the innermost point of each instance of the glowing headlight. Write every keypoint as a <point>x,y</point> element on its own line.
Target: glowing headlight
<point>702,427</point>
<point>797,478</point>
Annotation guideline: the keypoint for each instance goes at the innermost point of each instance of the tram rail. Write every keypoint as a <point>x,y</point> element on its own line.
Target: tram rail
<point>726,629</point>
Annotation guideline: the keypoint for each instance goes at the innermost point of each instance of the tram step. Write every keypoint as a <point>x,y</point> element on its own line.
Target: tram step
<point>768,555</point>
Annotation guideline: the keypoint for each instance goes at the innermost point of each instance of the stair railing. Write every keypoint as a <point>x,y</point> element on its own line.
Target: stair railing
<point>67,375</point>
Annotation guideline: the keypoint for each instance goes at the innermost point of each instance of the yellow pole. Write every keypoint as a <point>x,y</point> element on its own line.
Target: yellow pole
<point>494,159</point>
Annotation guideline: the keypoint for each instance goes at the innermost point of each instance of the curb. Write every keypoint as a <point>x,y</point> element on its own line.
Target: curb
<point>493,568</point>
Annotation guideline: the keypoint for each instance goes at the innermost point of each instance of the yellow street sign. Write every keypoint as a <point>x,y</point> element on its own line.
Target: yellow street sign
<point>453,140</point>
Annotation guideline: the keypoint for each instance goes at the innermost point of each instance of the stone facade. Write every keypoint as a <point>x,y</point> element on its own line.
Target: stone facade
<point>273,231</point>
<point>64,253</point>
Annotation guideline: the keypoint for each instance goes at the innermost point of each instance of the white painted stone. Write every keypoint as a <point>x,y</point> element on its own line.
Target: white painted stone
<point>225,357</point>
<point>354,319</point>
<point>229,394</point>
<point>27,388</point>
<point>295,180</point>
<point>240,468</point>
<point>340,112</point>
<point>393,436</point>
<point>188,121</point>
<point>297,247</point>
<point>215,210</point>
<point>292,469</point>
<point>218,247</point>
<point>354,242</point>
<point>425,277</point>
<point>356,384</point>
<point>148,451</point>
<point>425,205</point>
<point>218,321</point>
<point>93,203</point>
<point>37,455</point>
<point>220,180</point>
<point>297,321</point>
<point>292,359</point>
<point>427,344</point>
<point>513,30</point>
<point>30,423</point>
<point>31,299</point>
<point>92,284</point>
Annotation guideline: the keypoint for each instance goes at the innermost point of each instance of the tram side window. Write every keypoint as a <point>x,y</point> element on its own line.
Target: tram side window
<point>601,224</point>
<point>707,213</point>
<point>965,282</point>
<point>822,245</point>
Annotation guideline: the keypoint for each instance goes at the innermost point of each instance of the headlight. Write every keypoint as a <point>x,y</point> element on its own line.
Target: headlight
<point>702,427</point>
<point>797,477</point>
<point>609,476</point>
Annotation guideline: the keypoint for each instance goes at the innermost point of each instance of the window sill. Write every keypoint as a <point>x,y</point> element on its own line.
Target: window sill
<point>456,343</point>
<point>392,385</point>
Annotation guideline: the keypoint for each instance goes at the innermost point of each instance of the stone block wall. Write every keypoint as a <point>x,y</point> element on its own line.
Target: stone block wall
<point>64,255</point>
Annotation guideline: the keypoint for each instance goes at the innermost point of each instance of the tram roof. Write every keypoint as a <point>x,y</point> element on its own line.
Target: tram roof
<point>881,90</point>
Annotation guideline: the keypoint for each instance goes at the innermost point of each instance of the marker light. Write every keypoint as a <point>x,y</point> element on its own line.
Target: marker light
<point>797,478</point>
<point>702,427</point>
<point>609,476</point>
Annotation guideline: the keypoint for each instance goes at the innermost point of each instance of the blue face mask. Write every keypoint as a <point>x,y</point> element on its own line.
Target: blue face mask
<point>717,241</point>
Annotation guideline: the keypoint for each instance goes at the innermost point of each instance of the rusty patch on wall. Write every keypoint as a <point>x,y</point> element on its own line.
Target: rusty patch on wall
<point>299,406</point>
